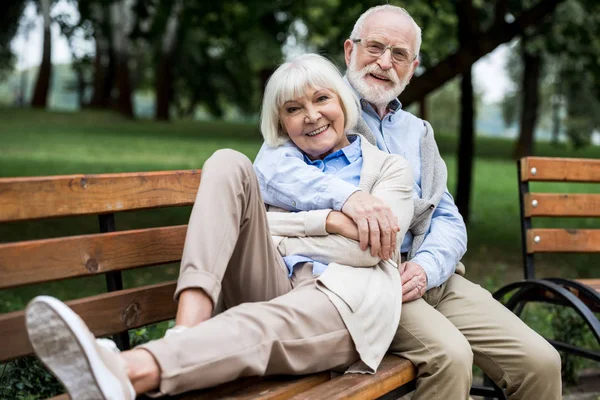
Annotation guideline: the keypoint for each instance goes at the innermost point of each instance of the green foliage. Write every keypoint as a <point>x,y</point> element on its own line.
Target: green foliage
<point>570,83</point>
<point>9,24</point>
<point>26,379</point>
<point>570,328</point>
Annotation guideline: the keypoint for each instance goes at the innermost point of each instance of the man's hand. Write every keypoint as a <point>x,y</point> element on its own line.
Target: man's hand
<point>377,224</point>
<point>414,281</point>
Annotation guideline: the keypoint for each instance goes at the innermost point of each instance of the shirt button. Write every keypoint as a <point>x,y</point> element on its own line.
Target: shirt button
<point>293,203</point>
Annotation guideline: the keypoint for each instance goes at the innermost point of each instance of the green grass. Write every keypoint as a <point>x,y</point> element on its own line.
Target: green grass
<point>41,143</point>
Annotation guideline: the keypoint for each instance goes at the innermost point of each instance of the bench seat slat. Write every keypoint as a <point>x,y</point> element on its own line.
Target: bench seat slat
<point>560,169</point>
<point>68,195</point>
<point>392,373</point>
<point>270,388</point>
<point>46,260</point>
<point>105,314</point>
<point>562,205</point>
<point>593,283</point>
<point>563,240</point>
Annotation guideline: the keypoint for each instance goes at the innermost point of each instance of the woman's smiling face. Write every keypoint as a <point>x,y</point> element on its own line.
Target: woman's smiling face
<point>315,122</point>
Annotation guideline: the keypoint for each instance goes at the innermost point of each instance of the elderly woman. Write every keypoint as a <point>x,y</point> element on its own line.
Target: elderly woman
<point>295,296</point>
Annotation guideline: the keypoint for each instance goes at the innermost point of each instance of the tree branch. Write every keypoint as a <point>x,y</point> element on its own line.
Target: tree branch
<point>459,62</point>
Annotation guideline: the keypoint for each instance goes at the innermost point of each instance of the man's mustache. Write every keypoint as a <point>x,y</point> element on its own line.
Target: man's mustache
<point>374,69</point>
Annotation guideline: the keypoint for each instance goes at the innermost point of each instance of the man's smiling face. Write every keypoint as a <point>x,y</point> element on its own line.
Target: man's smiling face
<point>381,79</point>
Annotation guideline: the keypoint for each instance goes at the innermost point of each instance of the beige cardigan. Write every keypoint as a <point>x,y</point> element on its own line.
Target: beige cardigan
<point>368,299</point>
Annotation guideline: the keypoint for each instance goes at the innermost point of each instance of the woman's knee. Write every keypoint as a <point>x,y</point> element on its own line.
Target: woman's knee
<point>225,163</point>
<point>227,159</point>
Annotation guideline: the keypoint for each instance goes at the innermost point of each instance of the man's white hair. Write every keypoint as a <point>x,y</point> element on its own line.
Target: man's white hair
<point>291,80</point>
<point>358,26</point>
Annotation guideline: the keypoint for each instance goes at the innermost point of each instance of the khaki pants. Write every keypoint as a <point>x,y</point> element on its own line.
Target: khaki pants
<point>460,323</point>
<point>273,324</point>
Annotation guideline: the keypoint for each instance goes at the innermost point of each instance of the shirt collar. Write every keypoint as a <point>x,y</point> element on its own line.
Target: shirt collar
<point>352,152</point>
<point>392,106</point>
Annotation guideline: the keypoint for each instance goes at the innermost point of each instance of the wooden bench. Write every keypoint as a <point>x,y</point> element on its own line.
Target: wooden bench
<point>583,295</point>
<point>30,262</point>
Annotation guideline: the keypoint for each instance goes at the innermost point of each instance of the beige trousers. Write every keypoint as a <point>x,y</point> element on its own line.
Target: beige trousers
<point>460,323</point>
<point>273,324</point>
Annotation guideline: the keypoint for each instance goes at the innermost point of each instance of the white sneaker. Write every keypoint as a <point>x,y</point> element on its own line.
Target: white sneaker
<point>62,341</point>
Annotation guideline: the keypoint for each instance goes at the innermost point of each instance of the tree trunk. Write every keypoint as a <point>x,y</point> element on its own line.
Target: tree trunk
<point>472,50</point>
<point>164,88</point>
<point>121,25</point>
<point>42,86</point>
<point>423,108</point>
<point>124,103</point>
<point>467,29</point>
<point>164,74</point>
<point>529,112</point>
<point>466,148</point>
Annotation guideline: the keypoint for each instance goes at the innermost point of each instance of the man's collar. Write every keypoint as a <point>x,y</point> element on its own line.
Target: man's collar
<point>392,106</point>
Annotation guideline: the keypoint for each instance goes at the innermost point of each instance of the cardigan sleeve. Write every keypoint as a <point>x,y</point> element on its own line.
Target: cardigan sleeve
<point>395,188</point>
<point>298,224</point>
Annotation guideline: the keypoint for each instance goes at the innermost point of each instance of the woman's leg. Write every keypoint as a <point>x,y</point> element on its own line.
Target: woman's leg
<point>300,332</point>
<point>228,249</point>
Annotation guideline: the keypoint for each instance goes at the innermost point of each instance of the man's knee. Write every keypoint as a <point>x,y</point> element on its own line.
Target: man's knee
<point>449,355</point>
<point>543,361</point>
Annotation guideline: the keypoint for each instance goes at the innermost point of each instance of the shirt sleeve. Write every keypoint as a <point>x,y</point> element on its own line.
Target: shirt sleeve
<point>445,243</point>
<point>286,181</point>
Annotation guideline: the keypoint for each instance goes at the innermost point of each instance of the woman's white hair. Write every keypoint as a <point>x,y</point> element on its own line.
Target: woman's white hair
<point>291,80</point>
<point>358,25</point>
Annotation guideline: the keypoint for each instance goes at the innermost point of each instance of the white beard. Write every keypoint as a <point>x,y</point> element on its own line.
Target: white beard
<point>377,95</point>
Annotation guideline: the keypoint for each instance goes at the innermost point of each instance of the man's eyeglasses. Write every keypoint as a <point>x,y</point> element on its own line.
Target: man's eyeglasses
<point>375,48</point>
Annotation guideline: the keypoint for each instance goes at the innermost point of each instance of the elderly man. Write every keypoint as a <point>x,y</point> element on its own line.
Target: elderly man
<point>447,321</point>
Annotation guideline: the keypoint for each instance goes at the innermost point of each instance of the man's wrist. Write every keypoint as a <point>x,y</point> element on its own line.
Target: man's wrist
<point>430,267</point>
<point>345,197</point>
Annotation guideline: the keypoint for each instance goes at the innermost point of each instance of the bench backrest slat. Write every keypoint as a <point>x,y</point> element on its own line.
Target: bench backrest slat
<point>563,241</point>
<point>560,169</point>
<point>59,196</point>
<point>104,314</point>
<point>562,205</point>
<point>53,259</point>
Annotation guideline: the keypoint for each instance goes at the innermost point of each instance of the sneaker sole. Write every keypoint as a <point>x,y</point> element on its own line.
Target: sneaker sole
<point>63,343</point>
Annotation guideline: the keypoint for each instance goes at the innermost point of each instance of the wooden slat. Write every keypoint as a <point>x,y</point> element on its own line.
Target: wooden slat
<point>392,373</point>
<point>271,388</point>
<point>52,259</point>
<point>593,283</point>
<point>563,241</point>
<point>55,196</point>
<point>562,205</point>
<point>560,169</point>
<point>105,314</point>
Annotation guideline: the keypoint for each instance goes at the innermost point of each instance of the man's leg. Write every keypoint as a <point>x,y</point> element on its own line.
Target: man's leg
<point>298,333</point>
<point>440,352</point>
<point>228,249</point>
<point>504,347</point>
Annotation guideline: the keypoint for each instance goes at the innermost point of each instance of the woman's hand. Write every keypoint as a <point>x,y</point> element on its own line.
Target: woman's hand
<point>339,223</point>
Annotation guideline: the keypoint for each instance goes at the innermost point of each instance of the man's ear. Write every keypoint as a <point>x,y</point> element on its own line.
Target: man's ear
<point>415,64</point>
<point>348,47</point>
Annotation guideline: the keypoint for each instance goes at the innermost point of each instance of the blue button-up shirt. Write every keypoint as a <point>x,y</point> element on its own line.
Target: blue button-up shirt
<point>286,181</point>
<point>344,164</point>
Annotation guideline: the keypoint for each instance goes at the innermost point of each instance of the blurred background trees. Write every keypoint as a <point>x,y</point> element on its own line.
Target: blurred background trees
<point>216,56</point>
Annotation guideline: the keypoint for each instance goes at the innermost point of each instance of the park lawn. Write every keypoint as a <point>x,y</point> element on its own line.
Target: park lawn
<point>41,143</point>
